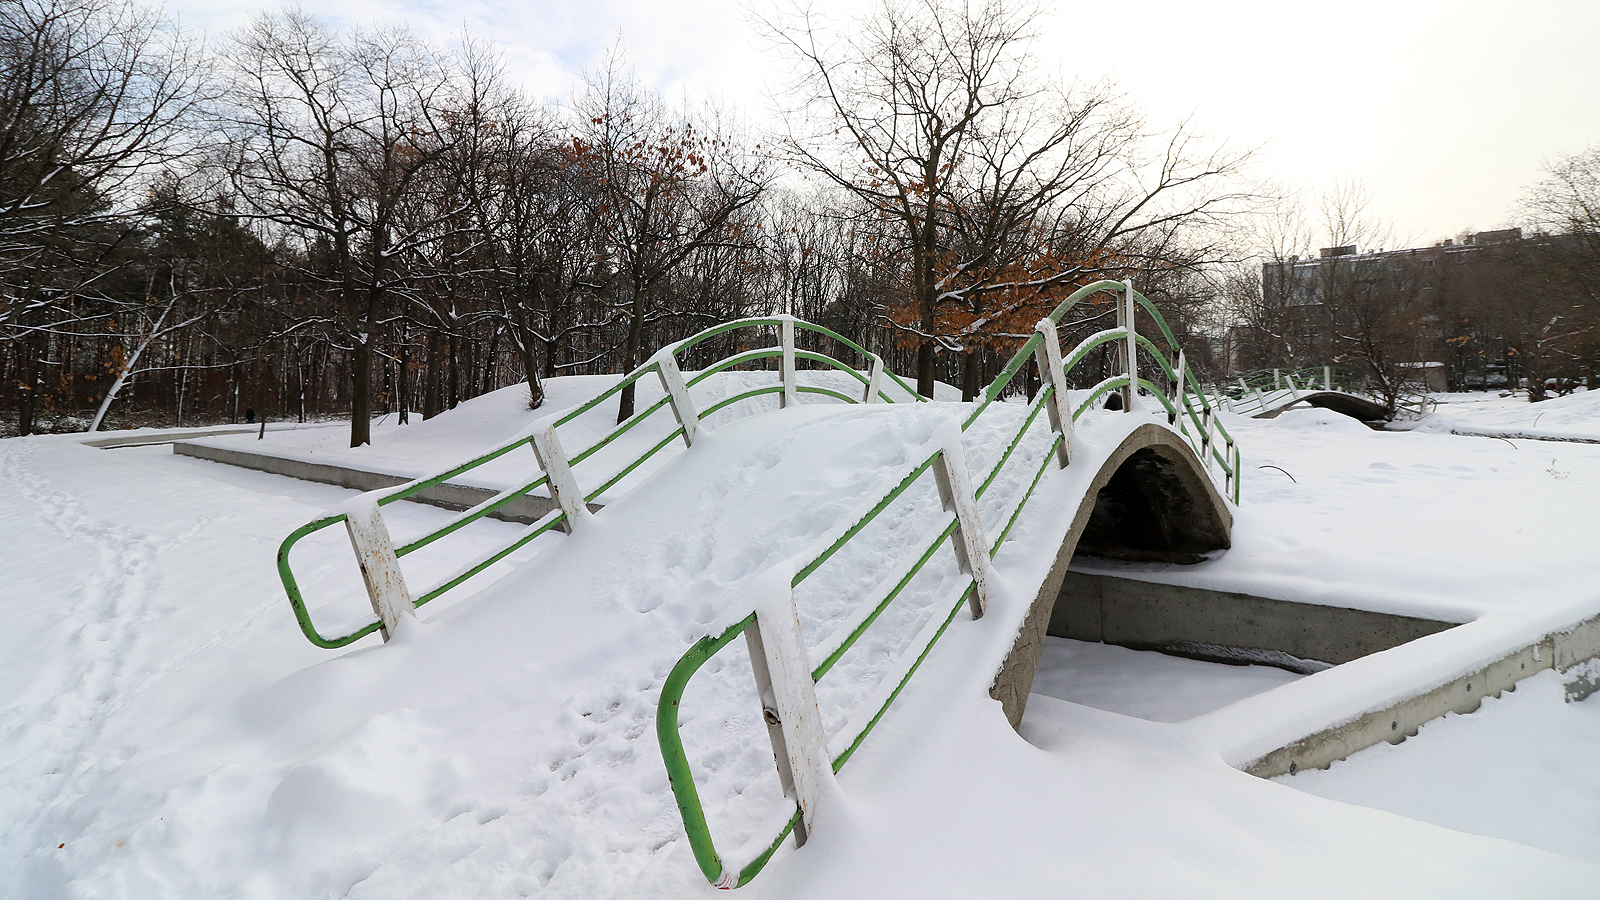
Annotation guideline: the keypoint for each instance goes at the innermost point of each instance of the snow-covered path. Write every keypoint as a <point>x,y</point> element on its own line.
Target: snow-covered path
<point>180,738</point>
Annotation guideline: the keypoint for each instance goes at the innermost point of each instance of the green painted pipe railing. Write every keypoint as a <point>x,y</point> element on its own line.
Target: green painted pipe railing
<point>1186,404</point>
<point>557,518</point>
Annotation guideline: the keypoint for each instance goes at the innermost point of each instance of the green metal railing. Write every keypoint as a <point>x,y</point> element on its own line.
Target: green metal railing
<point>664,364</point>
<point>1189,410</point>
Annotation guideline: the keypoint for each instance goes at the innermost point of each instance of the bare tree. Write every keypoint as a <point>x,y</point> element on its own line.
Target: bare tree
<point>332,137</point>
<point>93,93</point>
<point>996,187</point>
<point>662,188</point>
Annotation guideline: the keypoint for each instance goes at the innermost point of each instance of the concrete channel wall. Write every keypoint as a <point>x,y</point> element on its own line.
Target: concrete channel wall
<point>525,510</point>
<point>1230,627</point>
<point>1184,620</point>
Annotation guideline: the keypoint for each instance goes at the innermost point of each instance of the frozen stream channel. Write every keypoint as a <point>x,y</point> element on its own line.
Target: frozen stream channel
<point>1146,684</point>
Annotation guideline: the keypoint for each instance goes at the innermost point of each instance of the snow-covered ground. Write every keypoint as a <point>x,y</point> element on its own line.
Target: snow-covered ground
<point>170,732</point>
<point>1145,684</point>
<point>1521,768</point>
<point>1573,417</point>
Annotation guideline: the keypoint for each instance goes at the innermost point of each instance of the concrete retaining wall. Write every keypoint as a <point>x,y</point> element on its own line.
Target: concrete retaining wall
<point>113,440</point>
<point>1150,616</point>
<point>526,509</point>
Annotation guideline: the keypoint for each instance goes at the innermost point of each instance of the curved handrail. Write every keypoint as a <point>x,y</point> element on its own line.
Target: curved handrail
<point>558,518</point>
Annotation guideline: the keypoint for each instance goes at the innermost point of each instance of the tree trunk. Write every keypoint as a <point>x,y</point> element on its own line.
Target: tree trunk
<point>361,393</point>
<point>432,403</point>
<point>489,360</point>
<point>453,387</point>
<point>27,388</point>
<point>403,383</point>
<point>535,383</point>
<point>630,357</point>
<point>971,374</point>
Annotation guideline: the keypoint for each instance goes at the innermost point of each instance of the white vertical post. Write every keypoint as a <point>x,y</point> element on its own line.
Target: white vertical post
<point>1327,378</point>
<point>1277,383</point>
<point>789,703</point>
<point>786,340</point>
<point>971,544</point>
<point>1177,392</point>
<point>380,567</point>
<point>1206,427</point>
<point>1293,391</point>
<point>563,485</point>
<point>1132,346</point>
<point>678,392</point>
<point>874,380</point>
<point>1048,359</point>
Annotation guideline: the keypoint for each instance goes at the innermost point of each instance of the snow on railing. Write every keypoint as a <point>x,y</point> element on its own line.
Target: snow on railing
<point>788,690</point>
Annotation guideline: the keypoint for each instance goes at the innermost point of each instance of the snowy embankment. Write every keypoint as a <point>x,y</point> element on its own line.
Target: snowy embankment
<point>172,734</point>
<point>1575,417</point>
<point>429,446</point>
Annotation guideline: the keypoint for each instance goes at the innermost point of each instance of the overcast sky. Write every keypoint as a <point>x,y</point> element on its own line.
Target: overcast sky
<point>1446,111</point>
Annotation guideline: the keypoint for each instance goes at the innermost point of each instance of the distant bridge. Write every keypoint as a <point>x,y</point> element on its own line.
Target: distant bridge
<point>1265,393</point>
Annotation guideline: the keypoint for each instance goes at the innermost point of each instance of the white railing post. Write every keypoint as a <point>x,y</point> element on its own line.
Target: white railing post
<point>874,380</point>
<point>1293,391</point>
<point>1207,424</point>
<point>955,492</point>
<point>782,672</point>
<point>678,393</point>
<point>1128,322</point>
<point>1177,392</point>
<point>380,567</point>
<point>786,340</point>
<point>1327,378</point>
<point>1277,383</point>
<point>1048,359</point>
<point>563,485</point>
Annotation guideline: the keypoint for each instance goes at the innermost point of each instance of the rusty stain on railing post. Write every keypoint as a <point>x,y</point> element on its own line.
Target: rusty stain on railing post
<point>380,567</point>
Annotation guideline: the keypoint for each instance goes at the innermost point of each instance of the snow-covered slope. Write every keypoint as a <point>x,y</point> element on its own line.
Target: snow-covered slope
<point>1573,417</point>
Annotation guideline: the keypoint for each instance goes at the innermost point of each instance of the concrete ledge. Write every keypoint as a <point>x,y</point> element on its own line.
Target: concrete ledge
<point>1561,650</point>
<point>525,510</point>
<point>168,435</point>
<point>1148,615</point>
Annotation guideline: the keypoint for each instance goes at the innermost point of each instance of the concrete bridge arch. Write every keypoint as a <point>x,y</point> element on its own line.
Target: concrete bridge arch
<point>1151,500</point>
